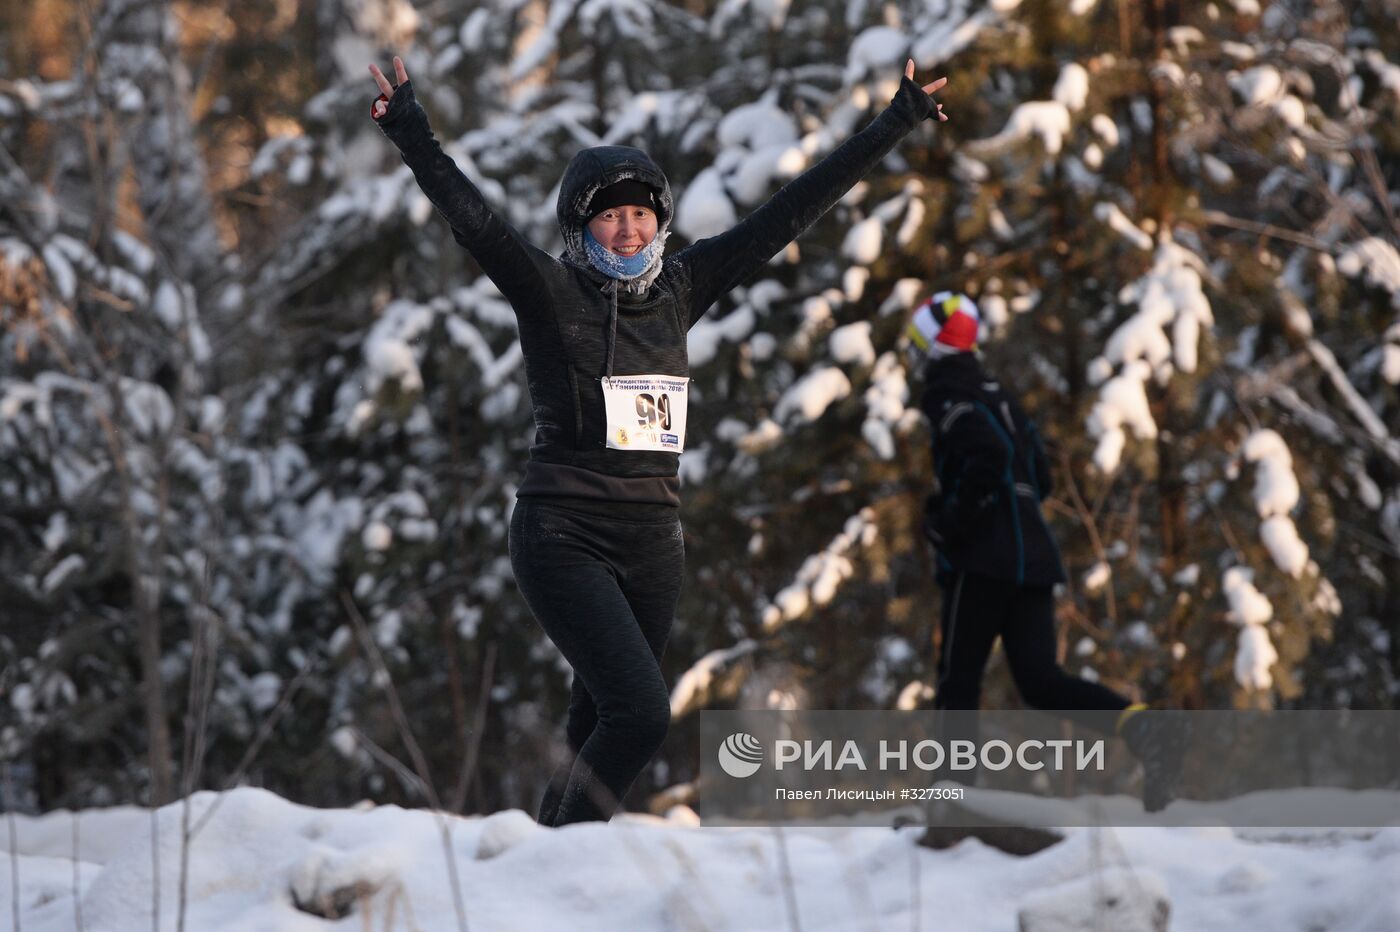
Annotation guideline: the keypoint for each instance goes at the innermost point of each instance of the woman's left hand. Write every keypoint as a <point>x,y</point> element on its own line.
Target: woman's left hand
<point>929,89</point>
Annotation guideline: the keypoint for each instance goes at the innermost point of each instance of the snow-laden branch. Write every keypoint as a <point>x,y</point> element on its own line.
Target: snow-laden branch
<point>1378,262</point>
<point>704,682</point>
<point>1276,494</point>
<point>1169,299</point>
<point>1250,610</point>
<point>822,574</point>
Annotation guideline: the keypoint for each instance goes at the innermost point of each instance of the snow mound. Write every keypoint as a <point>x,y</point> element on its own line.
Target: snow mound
<point>255,856</point>
<point>502,831</point>
<point>1120,899</point>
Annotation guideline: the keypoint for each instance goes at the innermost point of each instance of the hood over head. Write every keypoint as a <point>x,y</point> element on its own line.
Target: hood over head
<point>598,167</point>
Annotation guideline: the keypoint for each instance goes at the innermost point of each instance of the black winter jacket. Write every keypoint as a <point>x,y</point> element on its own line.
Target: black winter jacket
<point>992,473</point>
<point>577,325</point>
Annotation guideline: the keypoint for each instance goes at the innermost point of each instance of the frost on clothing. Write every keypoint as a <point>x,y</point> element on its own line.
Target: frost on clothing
<point>626,269</point>
<point>589,172</point>
<point>565,307</point>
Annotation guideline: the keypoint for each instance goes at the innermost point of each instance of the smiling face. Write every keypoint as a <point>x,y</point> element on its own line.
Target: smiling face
<point>624,230</point>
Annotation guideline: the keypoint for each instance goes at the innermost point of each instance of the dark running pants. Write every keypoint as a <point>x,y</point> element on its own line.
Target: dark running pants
<point>603,580</point>
<point>976,609</point>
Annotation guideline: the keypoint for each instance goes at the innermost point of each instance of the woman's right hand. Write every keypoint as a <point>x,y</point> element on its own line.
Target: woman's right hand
<point>381,106</point>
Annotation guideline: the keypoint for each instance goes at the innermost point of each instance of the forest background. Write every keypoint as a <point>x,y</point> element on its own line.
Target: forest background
<point>261,419</point>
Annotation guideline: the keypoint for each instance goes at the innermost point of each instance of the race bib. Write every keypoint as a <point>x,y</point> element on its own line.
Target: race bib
<point>646,412</point>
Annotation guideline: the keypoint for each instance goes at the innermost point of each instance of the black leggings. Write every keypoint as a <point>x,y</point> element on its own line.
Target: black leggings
<point>975,610</point>
<point>602,579</point>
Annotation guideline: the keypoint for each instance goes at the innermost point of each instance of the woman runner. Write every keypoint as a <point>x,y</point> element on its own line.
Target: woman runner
<point>595,537</point>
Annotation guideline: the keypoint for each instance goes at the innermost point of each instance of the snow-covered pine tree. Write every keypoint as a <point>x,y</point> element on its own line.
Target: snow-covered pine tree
<point>1178,217</point>
<point>1191,388</point>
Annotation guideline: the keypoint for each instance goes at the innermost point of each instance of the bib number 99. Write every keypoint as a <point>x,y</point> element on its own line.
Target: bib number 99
<point>645,412</point>
<point>654,412</point>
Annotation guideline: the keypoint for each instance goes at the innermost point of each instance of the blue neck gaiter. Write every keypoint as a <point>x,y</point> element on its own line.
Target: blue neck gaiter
<point>620,267</point>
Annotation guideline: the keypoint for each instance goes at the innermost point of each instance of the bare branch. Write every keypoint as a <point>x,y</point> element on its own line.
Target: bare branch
<point>469,765</point>
<point>372,654</point>
<point>7,788</point>
<point>264,732</point>
<point>1220,218</point>
<point>1086,520</point>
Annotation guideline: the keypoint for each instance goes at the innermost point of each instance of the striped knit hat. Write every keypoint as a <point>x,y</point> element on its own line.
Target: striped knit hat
<point>946,323</point>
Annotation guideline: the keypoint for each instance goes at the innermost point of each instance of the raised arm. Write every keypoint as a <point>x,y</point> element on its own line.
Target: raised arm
<point>516,266</point>
<point>718,263</point>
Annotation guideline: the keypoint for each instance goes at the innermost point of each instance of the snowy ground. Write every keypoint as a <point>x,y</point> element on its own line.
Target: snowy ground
<point>258,855</point>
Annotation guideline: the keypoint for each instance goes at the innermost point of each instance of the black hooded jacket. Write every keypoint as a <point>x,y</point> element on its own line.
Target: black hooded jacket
<point>992,476</point>
<point>577,324</point>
